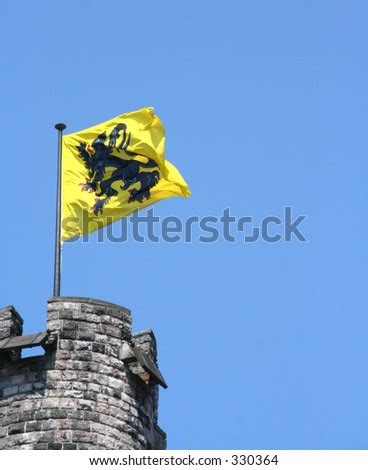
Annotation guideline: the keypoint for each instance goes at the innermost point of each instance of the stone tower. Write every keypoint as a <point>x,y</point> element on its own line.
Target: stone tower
<point>96,386</point>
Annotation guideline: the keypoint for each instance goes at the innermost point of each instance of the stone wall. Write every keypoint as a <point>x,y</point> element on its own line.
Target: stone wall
<point>80,394</point>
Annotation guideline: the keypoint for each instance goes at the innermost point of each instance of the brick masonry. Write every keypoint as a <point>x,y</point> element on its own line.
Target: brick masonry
<point>80,394</point>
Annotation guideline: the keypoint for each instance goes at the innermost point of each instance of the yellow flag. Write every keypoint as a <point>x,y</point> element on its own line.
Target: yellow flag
<point>114,169</point>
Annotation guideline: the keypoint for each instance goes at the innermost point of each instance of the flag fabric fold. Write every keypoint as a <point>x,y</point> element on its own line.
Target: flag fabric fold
<point>113,169</point>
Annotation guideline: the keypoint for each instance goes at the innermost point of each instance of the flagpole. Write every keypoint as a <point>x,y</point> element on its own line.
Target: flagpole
<point>57,264</point>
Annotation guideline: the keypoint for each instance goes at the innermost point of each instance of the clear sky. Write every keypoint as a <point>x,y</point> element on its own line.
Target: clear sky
<point>263,345</point>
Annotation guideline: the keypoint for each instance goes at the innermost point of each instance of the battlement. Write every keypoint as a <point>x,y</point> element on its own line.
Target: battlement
<point>96,386</point>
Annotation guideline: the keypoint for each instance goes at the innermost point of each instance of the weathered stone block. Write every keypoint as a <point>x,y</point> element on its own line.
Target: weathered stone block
<point>10,390</point>
<point>41,415</point>
<point>25,388</point>
<point>86,335</point>
<point>98,348</point>
<point>33,426</point>
<point>48,436</point>
<point>40,446</point>
<point>38,385</point>
<point>58,414</point>
<point>69,446</point>
<point>16,428</point>
<point>55,446</point>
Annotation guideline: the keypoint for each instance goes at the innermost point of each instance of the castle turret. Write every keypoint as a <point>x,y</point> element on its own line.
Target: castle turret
<point>96,386</point>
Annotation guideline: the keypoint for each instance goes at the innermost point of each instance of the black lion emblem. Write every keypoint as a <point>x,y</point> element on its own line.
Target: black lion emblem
<point>99,155</point>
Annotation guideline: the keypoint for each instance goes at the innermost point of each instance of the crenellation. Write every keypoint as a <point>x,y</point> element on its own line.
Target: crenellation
<point>146,341</point>
<point>11,324</point>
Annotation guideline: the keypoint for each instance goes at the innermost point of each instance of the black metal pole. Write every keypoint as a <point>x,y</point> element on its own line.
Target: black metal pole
<point>57,265</point>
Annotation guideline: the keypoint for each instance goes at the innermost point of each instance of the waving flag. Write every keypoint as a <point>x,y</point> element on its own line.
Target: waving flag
<point>114,169</point>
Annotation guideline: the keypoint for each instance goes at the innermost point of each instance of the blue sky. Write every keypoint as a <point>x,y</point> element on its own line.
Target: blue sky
<point>263,345</point>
